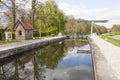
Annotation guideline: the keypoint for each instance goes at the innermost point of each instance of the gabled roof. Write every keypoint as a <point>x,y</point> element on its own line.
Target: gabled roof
<point>24,24</point>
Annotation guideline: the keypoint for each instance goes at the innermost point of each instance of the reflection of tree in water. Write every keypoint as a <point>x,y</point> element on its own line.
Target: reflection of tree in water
<point>32,66</point>
<point>9,71</point>
<point>47,57</point>
<point>2,72</point>
<point>38,70</point>
<point>51,55</point>
<point>16,73</point>
<point>71,43</point>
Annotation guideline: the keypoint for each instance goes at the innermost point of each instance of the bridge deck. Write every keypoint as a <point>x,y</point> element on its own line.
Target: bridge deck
<point>106,59</point>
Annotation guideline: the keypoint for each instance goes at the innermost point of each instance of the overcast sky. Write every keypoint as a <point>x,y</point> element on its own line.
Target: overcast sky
<point>92,10</point>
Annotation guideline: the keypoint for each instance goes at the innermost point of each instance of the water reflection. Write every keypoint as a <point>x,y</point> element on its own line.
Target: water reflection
<point>55,62</point>
<point>74,43</point>
<point>32,66</point>
<point>74,66</point>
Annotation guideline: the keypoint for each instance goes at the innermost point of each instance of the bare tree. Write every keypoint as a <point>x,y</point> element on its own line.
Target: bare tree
<point>13,11</point>
<point>33,11</point>
<point>115,28</point>
<point>10,4</point>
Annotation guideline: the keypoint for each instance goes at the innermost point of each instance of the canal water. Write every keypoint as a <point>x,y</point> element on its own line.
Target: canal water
<point>67,60</point>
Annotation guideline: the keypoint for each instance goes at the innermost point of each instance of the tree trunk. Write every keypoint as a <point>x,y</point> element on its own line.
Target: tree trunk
<point>14,12</point>
<point>33,12</point>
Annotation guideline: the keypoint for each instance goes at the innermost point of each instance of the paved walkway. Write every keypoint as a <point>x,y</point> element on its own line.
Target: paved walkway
<point>7,50</point>
<point>18,44</point>
<point>23,43</point>
<point>108,57</point>
<point>116,37</point>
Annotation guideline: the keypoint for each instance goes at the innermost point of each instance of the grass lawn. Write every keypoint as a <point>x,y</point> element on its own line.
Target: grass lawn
<point>111,40</point>
<point>5,42</point>
<point>12,41</point>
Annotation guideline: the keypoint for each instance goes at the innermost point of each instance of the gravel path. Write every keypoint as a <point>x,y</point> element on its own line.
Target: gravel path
<point>23,43</point>
<point>110,52</point>
<point>116,37</point>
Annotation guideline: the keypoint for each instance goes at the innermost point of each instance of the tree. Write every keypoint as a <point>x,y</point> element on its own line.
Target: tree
<point>115,28</point>
<point>70,26</point>
<point>44,16</point>
<point>12,6</point>
<point>82,28</point>
<point>34,2</point>
<point>102,29</point>
<point>61,19</point>
<point>12,11</point>
<point>49,18</point>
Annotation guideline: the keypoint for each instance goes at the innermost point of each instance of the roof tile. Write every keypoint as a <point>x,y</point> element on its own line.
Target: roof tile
<point>27,26</point>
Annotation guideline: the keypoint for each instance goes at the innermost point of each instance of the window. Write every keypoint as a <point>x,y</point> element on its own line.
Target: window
<point>28,32</point>
<point>20,32</point>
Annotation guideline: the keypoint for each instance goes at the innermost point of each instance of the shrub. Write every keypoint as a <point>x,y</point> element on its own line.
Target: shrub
<point>3,36</point>
<point>35,34</point>
<point>13,35</point>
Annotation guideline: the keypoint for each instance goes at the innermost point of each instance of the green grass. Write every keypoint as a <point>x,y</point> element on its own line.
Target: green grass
<point>5,42</point>
<point>111,40</point>
<point>12,41</point>
<point>112,33</point>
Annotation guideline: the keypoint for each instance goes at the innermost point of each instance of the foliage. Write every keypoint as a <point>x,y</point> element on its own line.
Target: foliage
<point>50,56</point>
<point>112,33</point>
<point>3,36</point>
<point>13,35</point>
<point>73,27</point>
<point>115,28</point>
<point>50,19</point>
<point>101,29</point>
<point>44,16</point>
<point>36,34</point>
<point>43,34</point>
<point>47,18</point>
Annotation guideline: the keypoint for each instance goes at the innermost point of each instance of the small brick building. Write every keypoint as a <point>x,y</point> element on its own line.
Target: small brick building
<point>23,30</point>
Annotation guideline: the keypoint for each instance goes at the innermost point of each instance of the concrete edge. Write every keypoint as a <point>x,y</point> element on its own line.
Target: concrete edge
<point>102,68</point>
<point>93,59</point>
<point>40,43</point>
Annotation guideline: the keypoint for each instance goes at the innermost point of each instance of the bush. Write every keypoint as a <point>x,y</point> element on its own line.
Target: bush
<point>3,36</point>
<point>13,35</point>
<point>43,34</point>
<point>35,34</point>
